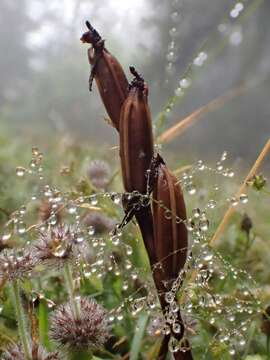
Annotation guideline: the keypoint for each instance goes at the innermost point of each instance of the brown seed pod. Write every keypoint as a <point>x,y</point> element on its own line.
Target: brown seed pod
<point>108,73</point>
<point>171,238</point>
<point>136,152</point>
<point>136,138</point>
<point>170,242</point>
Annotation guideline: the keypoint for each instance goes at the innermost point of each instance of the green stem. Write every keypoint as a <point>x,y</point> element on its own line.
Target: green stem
<point>22,328</point>
<point>71,290</point>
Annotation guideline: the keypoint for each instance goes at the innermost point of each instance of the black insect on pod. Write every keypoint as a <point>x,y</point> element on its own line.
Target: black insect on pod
<point>108,74</point>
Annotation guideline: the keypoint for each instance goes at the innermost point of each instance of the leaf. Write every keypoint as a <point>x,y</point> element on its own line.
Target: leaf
<point>137,339</point>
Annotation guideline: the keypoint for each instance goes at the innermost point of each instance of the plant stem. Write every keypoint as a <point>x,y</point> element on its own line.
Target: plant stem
<point>70,287</point>
<point>22,328</point>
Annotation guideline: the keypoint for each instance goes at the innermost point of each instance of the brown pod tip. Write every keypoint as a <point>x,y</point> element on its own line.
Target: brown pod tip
<point>138,81</point>
<point>91,36</point>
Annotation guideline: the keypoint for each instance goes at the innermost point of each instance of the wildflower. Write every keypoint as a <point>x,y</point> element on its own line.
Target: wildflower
<point>99,173</point>
<point>16,265</point>
<point>108,73</point>
<point>15,352</point>
<point>55,246</point>
<point>100,222</point>
<point>88,331</point>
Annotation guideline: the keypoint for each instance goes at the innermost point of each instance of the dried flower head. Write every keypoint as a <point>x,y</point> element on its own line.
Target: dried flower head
<point>100,222</point>
<point>89,331</point>
<point>15,352</point>
<point>16,265</point>
<point>99,173</point>
<point>55,246</point>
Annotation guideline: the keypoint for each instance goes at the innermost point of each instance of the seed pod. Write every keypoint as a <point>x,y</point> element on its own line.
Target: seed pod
<point>171,239</point>
<point>108,73</point>
<point>136,138</point>
<point>136,152</point>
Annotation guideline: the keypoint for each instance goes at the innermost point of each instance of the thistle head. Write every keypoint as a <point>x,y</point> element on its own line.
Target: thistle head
<point>88,331</point>
<point>100,222</point>
<point>15,352</point>
<point>16,265</point>
<point>99,173</point>
<point>55,246</point>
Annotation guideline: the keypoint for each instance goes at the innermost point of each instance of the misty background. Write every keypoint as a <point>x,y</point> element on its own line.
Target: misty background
<point>44,69</point>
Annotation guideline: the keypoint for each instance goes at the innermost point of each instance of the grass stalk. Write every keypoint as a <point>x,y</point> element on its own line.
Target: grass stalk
<point>241,190</point>
<point>71,290</point>
<point>22,327</point>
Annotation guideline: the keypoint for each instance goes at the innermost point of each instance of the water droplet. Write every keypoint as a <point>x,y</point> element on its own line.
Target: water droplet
<point>196,213</point>
<point>79,237</point>
<point>116,198</point>
<point>232,351</point>
<point>174,345</point>
<point>176,16</point>
<point>176,328</point>
<point>242,342</point>
<point>204,225</point>
<point>219,166</point>
<point>129,250</point>
<point>72,208</point>
<point>185,83</point>
<point>53,219</point>
<point>20,171</point>
<point>243,198</point>
<point>115,240</point>
<point>200,165</point>
<point>234,201</point>
<point>169,297</point>
<point>211,204</point>
<point>21,227</point>
<point>191,189</point>
<point>179,92</point>
<point>173,32</point>
<point>6,236</point>
<point>93,200</point>
<point>171,56</point>
<point>91,230</point>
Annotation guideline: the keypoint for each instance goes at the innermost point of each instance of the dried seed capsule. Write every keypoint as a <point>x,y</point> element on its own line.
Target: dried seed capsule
<point>136,138</point>
<point>108,73</point>
<point>171,238</point>
<point>136,152</point>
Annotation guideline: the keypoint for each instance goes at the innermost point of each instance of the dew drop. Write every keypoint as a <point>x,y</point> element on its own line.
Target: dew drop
<point>169,297</point>
<point>204,225</point>
<point>20,171</point>
<point>191,189</point>
<point>211,204</point>
<point>243,198</point>
<point>91,230</point>
<point>174,345</point>
<point>21,227</point>
<point>196,213</point>
<point>176,328</point>
<point>179,92</point>
<point>116,198</point>
<point>93,200</point>
<point>79,237</point>
<point>185,83</point>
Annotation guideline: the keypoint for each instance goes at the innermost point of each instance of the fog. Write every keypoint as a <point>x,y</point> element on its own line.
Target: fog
<point>44,68</point>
